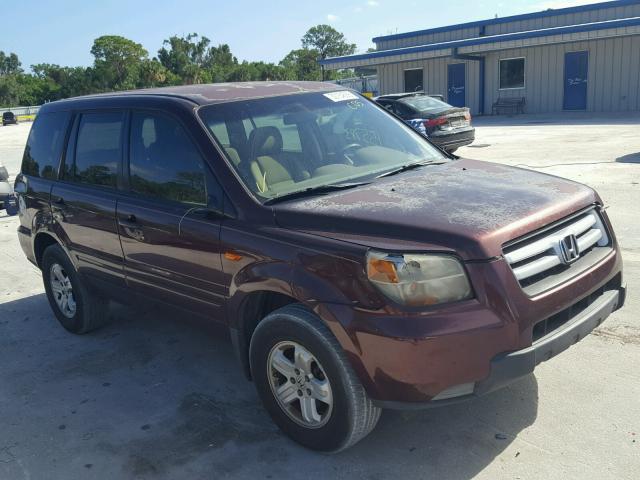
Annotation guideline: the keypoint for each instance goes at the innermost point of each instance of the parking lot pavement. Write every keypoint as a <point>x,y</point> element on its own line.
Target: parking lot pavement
<point>156,395</point>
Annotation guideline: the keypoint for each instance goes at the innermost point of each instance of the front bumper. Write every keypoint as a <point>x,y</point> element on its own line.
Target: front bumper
<point>508,367</point>
<point>419,358</point>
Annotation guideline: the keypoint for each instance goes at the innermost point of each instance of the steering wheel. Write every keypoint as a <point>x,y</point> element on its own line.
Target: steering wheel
<point>348,149</point>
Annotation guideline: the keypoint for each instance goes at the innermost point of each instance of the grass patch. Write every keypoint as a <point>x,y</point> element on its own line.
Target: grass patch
<point>26,118</point>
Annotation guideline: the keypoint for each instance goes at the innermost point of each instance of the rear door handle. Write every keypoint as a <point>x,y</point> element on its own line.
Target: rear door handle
<point>130,221</point>
<point>59,201</point>
<point>132,227</point>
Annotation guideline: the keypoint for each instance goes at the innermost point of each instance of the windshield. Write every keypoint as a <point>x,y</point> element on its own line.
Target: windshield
<point>300,142</point>
<point>425,103</point>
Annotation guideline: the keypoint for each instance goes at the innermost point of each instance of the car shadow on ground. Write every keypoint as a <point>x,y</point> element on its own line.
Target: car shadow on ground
<point>158,394</point>
<point>631,158</point>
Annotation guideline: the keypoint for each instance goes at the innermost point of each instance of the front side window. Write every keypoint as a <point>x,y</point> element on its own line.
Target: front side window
<point>512,73</point>
<point>44,146</point>
<point>163,161</point>
<point>296,142</point>
<point>98,149</point>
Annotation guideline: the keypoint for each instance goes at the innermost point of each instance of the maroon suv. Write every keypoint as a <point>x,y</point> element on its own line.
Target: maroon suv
<point>357,266</point>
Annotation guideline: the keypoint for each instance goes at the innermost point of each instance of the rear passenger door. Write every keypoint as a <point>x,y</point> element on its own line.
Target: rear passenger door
<point>169,221</point>
<point>83,202</point>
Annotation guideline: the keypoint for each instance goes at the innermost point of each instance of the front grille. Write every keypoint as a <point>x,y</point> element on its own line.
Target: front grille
<point>549,325</point>
<point>540,261</point>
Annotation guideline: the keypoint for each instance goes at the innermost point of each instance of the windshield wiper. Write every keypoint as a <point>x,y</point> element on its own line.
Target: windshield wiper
<point>313,191</point>
<point>410,166</point>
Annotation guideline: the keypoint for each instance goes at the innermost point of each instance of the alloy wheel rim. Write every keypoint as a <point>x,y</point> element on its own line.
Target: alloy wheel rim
<point>299,384</point>
<point>62,290</point>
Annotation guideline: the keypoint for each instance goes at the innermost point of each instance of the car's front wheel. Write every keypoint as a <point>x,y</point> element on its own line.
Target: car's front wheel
<point>306,383</point>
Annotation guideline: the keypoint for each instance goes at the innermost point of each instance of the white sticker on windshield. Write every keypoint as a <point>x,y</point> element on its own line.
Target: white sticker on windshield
<point>340,96</point>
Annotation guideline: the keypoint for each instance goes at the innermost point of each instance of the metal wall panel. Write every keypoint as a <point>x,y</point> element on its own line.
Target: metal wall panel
<point>613,81</point>
<point>391,78</point>
<point>566,19</point>
<point>429,38</point>
<point>515,26</point>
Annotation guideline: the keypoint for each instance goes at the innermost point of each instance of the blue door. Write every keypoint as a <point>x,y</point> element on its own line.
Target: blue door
<point>455,84</point>
<point>576,70</point>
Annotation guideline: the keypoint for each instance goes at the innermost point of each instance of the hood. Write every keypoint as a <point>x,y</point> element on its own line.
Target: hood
<point>468,206</point>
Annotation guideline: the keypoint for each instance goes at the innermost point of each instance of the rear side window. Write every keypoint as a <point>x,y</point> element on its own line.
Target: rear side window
<point>98,149</point>
<point>164,162</point>
<point>44,146</point>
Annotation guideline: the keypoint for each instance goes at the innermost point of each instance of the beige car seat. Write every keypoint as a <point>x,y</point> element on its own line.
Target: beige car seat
<point>266,168</point>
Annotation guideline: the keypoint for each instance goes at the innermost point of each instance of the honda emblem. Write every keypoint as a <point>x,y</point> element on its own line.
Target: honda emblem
<point>569,250</point>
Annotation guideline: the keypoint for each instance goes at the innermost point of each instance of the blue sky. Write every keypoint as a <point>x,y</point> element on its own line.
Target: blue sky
<point>62,31</point>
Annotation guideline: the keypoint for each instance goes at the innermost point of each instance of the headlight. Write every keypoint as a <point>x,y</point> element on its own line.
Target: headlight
<point>418,279</point>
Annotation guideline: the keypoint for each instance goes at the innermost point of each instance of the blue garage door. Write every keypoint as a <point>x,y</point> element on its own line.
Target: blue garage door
<point>455,84</point>
<point>576,70</point>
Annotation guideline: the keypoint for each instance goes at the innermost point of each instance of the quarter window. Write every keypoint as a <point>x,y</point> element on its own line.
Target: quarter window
<point>42,154</point>
<point>164,162</point>
<point>98,149</point>
<point>512,73</point>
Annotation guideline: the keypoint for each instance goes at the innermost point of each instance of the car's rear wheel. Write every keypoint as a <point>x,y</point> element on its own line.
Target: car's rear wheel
<point>306,383</point>
<point>77,309</point>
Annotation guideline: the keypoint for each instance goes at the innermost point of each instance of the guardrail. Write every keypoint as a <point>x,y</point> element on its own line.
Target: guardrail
<point>33,110</point>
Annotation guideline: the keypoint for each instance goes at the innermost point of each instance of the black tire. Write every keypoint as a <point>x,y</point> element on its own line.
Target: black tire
<point>91,311</point>
<point>353,415</point>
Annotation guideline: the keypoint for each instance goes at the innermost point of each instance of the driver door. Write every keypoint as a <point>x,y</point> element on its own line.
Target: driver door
<point>168,225</point>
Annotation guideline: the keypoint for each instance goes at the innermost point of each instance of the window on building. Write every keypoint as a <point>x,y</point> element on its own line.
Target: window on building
<point>98,149</point>
<point>512,73</point>
<point>413,80</point>
<point>164,162</point>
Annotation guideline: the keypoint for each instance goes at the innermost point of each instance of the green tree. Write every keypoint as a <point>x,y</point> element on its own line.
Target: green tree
<point>301,64</point>
<point>153,74</point>
<point>117,62</point>
<point>9,64</point>
<point>10,91</point>
<point>220,62</point>
<point>62,82</point>
<point>327,41</point>
<point>185,57</point>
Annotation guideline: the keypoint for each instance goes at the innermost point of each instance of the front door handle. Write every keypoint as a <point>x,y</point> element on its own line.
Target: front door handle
<point>131,227</point>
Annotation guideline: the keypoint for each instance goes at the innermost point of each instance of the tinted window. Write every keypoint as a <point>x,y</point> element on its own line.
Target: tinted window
<point>163,160</point>
<point>98,149</point>
<point>386,104</point>
<point>42,154</point>
<point>512,73</point>
<point>402,109</point>
<point>425,103</point>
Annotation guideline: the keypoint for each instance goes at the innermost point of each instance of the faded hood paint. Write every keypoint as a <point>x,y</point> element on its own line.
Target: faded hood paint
<point>469,206</point>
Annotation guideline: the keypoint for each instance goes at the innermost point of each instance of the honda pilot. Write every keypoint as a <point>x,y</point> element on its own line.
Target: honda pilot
<point>357,266</point>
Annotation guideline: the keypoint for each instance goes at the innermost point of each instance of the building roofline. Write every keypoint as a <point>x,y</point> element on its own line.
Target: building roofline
<point>505,37</point>
<point>513,18</point>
